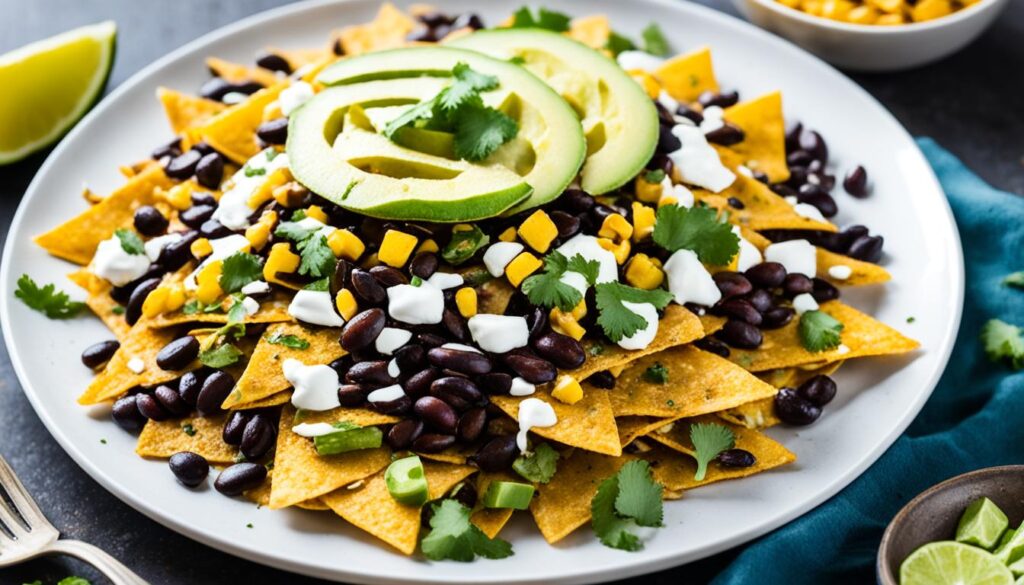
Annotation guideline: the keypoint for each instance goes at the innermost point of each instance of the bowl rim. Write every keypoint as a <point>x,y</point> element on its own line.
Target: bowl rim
<point>873,29</point>
<point>885,576</point>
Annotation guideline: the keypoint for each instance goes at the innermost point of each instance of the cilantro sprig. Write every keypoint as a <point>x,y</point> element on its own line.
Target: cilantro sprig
<point>545,19</point>
<point>217,351</point>
<point>464,244</point>
<point>629,498</point>
<point>656,374</point>
<point>819,331</point>
<point>287,340</point>
<point>453,537</point>
<point>131,243</point>
<point>238,270</point>
<point>698,229</point>
<point>709,441</point>
<point>316,258</point>
<point>539,466</point>
<point>655,42</point>
<point>547,289</point>
<point>617,320</point>
<point>1003,342</point>
<point>46,299</point>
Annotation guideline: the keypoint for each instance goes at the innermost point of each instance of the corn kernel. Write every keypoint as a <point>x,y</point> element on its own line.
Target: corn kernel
<point>290,195</point>
<point>317,213</point>
<point>346,303</point>
<point>201,248</point>
<point>617,370</point>
<point>667,200</point>
<point>180,196</point>
<point>209,282</point>
<point>462,227</point>
<point>646,81</point>
<point>643,221</point>
<point>566,324</point>
<point>837,9</point>
<point>890,19</point>
<point>791,3</point>
<point>175,299</point>
<point>930,10</point>
<point>863,14</point>
<point>396,247</point>
<point>265,192</point>
<point>891,6</point>
<point>258,233</point>
<point>370,261</point>
<point>465,300</point>
<point>281,259</point>
<point>642,273</point>
<point>580,310</point>
<point>522,266</point>
<point>429,246</point>
<point>509,235</point>
<point>567,389</point>
<point>538,231</point>
<point>155,302</point>
<point>620,250</point>
<point>346,245</point>
<point>813,7</point>
<point>615,227</point>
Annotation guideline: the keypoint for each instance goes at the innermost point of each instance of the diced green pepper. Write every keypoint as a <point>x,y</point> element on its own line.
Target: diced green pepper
<point>508,494</point>
<point>348,437</point>
<point>407,481</point>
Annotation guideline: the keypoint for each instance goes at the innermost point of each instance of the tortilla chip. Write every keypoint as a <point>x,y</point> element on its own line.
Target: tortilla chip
<point>236,73</point>
<point>593,31</point>
<point>185,111</point>
<point>76,239</point>
<point>589,424</point>
<point>264,376</point>
<point>165,438</point>
<point>763,209</point>
<point>563,504</point>
<point>386,31</point>
<point>272,310</point>
<point>371,507</point>
<point>233,131</point>
<point>760,414</point>
<point>274,400</point>
<point>300,474</point>
<point>862,336</point>
<point>261,496</point>
<point>141,342</point>
<point>491,520</point>
<point>100,302</point>
<point>862,273</point>
<point>779,378</point>
<point>299,58</point>
<point>631,427</point>
<point>456,455</point>
<point>763,147</point>
<point>687,76</point>
<point>699,383</point>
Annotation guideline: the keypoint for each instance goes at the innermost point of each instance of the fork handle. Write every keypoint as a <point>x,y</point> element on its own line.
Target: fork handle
<point>117,572</point>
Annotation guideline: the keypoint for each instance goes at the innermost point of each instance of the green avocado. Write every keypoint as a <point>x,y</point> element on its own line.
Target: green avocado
<point>546,154</point>
<point>618,118</point>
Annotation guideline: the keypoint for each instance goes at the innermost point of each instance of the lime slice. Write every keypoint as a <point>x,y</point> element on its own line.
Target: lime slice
<point>982,524</point>
<point>50,84</point>
<point>953,563</point>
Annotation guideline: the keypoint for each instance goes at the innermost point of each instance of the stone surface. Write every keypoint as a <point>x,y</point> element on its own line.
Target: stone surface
<point>970,102</point>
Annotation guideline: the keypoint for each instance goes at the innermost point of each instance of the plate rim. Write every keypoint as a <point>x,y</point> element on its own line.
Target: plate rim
<point>631,566</point>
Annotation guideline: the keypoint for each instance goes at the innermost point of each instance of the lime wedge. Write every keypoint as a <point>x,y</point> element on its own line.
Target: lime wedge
<point>50,84</point>
<point>953,563</point>
<point>982,524</point>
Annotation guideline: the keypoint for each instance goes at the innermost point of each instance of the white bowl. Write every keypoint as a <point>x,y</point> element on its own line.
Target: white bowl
<point>863,47</point>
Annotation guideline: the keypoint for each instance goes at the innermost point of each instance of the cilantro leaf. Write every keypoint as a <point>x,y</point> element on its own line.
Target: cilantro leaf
<point>464,244</point>
<point>221,356</point>
<point>697,229</point>
<point>819,331</point>
<point>239,269</point>
<point>1003,342</point>
<point>546,19</point>
<point>654,177</point>
<point>74,581</point>
<point>293,231</point>
<point>251,171</point>
<point>453,537</point>
<point>466,88</point>
<point>131,243</point>
<point>421,111</point>
<point>616,319</point>
<point>547,289</point>
<point>236,316</point>
<point>47,299</point>
<point>656,374</point>
<point>618,43</point>
<point>320,285</point>
<point>709,440</point>
<point>1015,280</point>
<point>317,257</point>
<point>481,131</point>
<point>655,42</point>
<point>539,466</point>
<point>289,341</point>
<point>627,499</point>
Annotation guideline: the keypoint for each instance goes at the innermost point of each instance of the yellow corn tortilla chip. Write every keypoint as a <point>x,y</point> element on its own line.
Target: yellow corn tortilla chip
<point>144,343</point>
<point>632,427</point>
<point>763,147</point>
<point>862,336</point>
<point>386,31</point>
<point>274,400</point>
<point>264,377</point>
<point>272,310</point>
<point>491,520</point>
<point>862,273</point>
<point>371,507</point>
<point>233,131</point>
<point>779,378</point>
<point>76,239</point>
<point>456,455</point>
<point>760,414</point>
<point>593,31</point>
<point>300,474</point>
<point>763,209</point>
<point>100,302</point>
<point>563,504</point>
<point>687,76</point>
<point>699,382</point>
<point>589,424</point>
<point>165,438</point>
<point>260,496</point>
<point>185,111</point>
<point>236,73</point>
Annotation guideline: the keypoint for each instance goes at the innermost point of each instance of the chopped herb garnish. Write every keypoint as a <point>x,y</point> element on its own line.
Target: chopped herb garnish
<point>321,285</point>
<point>299,215</point>
<point>239,269</point>
<point>709,439</point>
<point>251,171</point>
<point>596,349</point>
<point>539,466</point>
<point>547,289</point>
<point>464,244</point>
<point>416,281</point>
<point>249,525</point>
<point>911,319</point>
<point>819,331</point>
<point>1003,342</point>
<point>188,429</point>
<point>453,537</point>
<point>117,310</point>
<point>616,319</point>
<point>656,176</point>
<point>698,229</point>
<point>625,500</point>
<point>317,259</point>
<point>1015,280</point>
<point>290,341</point>
<point>546,19</point>
<point>655,42</point>
<point>656,374</point>
<point>131,243</point>
<point>221,356</point>
<point>74,581</point>
<point>48,300</point>
<point>517,60</point>
<point>103,441</point>
<point>618,43</point>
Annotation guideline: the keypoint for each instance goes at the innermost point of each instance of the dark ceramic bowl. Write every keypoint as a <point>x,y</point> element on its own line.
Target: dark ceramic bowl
<point>934,514</point>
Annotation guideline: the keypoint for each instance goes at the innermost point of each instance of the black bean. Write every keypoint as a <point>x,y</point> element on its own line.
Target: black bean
<point>856,182</point>
<point>736,458</point>
<point>712,345</point>
<point>740,334</point>
<point>399,406</point>
<point>799,158</point>
<point>732,284</point>
<point>568,225</point>
<point>848,236</point>
<point>423,265</point>
<point>401,435</point>
<point>352,394</point>
<point>448,387</point>
<point>466,362</point>
<point>194,216</point>
<point>797,284</point>
<point>822,179</point>
<point>563,351</point>
<point>274,131</point>
<point>274,62</point>
<point>726,135</point>
<point>793,409</point>
<point>456,325</point>
<point>178,354</point>
<point>215,89</point>
<point>471,424</point>
<point>816,196</point>
<point>210,170</point>
<point>777,317</point>
<point>122,294</point>
<point>866,248</point>
<point>819,390</point>
<point>362,330</point>
<point>150,407</point>
<point>190,468</point>
<point>430,340</point>
<point>172,148</point>
<point>410,358</point>
<point>170,400</point>
<point>812,142</point>
<point>576,201</point>
<point>133,310</point>
<point>234,427</point>
<point>760,299</point>
<point>215,390</point>
<point>690,114</point>
<point>126,414</point>
<point>373,372</point>
<point>432,443</point>
<point>419,383</point>
<point>766,274</point>
<point>423,34</point>
<point>497,454</point>
<point>245,87</point>
<point>537,322</point>
<point>258,437</point>
<point>739,309</point>
<point>183,166</point>
<point>189,386</point>
<point>149,221</point>
<point>202,148</point>
<point>465,493</point>
<point>495,383</point>
<point>437,414</point>
<point>213,229</point>
<point>100,353</point>
<point>468,20</point>
<point>367,288</point>
<point>336,47</point>
<point>533,370</point>
<point>720,99</point>
<point>240,477</point>
<point>667,141</point>
<point>176,254</point>
<point>793,136</point>
<point>434,18</point>
<point>735,203</point>
<point>388,276</point>
<point>823,290</point>
<point>603,379</point>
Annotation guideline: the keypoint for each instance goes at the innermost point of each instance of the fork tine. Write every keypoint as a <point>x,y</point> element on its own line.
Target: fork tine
<point>23,502</point>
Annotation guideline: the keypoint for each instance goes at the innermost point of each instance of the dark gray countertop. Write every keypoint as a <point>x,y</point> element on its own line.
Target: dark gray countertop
<point>973,103</point>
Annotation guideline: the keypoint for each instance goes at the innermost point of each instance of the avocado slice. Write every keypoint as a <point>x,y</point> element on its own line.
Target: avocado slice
<point>549,148</point>
<point>331,152</point>
<point>618,118</point>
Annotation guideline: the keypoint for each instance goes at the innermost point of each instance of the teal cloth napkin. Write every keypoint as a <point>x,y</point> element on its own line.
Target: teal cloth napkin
<point>973,419</point>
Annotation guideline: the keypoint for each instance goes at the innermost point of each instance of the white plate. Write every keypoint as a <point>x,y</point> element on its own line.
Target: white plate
<point>878,398</point>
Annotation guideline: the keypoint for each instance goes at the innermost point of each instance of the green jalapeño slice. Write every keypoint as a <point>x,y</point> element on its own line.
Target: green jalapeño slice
<point>508,494</point>
<point>407,481</point>
<point>348,437</point>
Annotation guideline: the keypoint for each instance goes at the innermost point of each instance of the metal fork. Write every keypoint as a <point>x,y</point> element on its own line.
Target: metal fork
<point>26,534</point>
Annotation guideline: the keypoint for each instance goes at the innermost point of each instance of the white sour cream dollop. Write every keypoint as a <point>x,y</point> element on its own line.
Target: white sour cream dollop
<point>390,339</point>
<point>311,430</point>
<point>233,209</point>
<point>643,337</point>
<point>689,281</point>
<point>697,162</point>
<point>499,333</point>
<point>315,307</point>
<point>796,255</point>
<point>116,266</point>
<point>294,96</point>
<point>316,386</point>
<point>499,255</point>
<point>416,305</point>
<point>533,413</point>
